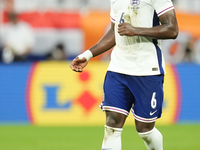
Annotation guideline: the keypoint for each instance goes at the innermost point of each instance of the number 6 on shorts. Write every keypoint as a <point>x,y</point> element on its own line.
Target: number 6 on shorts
<point>153,100</point>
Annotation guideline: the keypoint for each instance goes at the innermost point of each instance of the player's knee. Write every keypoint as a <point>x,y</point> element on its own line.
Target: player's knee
<point>115,120</point>
<point>112,122</point>
<point>144,127</point>
<point>116,123</point>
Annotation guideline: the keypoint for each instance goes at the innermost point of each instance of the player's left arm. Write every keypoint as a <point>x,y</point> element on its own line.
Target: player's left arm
<point>167,30</point>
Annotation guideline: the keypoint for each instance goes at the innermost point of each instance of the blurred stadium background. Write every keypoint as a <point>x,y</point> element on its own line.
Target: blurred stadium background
<point>44,105</point>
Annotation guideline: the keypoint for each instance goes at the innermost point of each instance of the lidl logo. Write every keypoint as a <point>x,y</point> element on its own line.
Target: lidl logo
<point>58,96</point>
<point>52,101</point>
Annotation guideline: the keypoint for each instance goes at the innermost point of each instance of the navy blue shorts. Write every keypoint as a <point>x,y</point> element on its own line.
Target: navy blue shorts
<point>142,95</point>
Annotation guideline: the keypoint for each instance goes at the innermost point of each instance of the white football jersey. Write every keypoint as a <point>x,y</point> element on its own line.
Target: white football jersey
<point>138,55</point>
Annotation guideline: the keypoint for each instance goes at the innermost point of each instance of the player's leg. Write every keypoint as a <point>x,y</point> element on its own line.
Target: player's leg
<point>113,129</point>
<point>116,104</point>
<point>153,139</point>
<point>147,108</point>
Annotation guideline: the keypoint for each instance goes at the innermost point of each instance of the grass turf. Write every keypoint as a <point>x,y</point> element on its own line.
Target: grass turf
<point>176,137</point>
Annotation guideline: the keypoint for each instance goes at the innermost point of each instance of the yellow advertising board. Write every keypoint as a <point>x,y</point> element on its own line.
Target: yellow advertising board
<point>58,96</point>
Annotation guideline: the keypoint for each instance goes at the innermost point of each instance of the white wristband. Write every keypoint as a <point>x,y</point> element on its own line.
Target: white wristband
<point>87,54</point>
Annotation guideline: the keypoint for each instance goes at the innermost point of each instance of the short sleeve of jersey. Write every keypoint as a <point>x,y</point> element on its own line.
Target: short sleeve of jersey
<point>112,13</point>
<point>162,6</point>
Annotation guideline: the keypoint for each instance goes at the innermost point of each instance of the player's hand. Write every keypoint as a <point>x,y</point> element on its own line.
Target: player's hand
<point>78,64</point>
<point>126,29</point>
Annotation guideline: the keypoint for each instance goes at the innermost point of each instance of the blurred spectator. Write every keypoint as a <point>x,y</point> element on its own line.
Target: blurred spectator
<point>18,39</point>
<point>189,51</point>
<point>58,53</point>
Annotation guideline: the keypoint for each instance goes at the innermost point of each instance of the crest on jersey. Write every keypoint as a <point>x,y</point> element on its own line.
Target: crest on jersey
<point>135,2</point>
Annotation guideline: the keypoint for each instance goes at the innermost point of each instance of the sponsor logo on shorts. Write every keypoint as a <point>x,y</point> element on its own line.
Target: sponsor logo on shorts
<point>152,113</point>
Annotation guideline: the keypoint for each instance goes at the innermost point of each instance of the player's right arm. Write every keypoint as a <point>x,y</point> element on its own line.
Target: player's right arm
<point>104,44</point>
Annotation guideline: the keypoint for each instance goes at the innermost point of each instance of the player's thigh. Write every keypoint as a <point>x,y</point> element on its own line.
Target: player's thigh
<point>149,98</point>
<point>117,96</point>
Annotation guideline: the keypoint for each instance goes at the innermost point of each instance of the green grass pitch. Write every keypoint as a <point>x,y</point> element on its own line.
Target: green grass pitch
<point>176,137</point>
